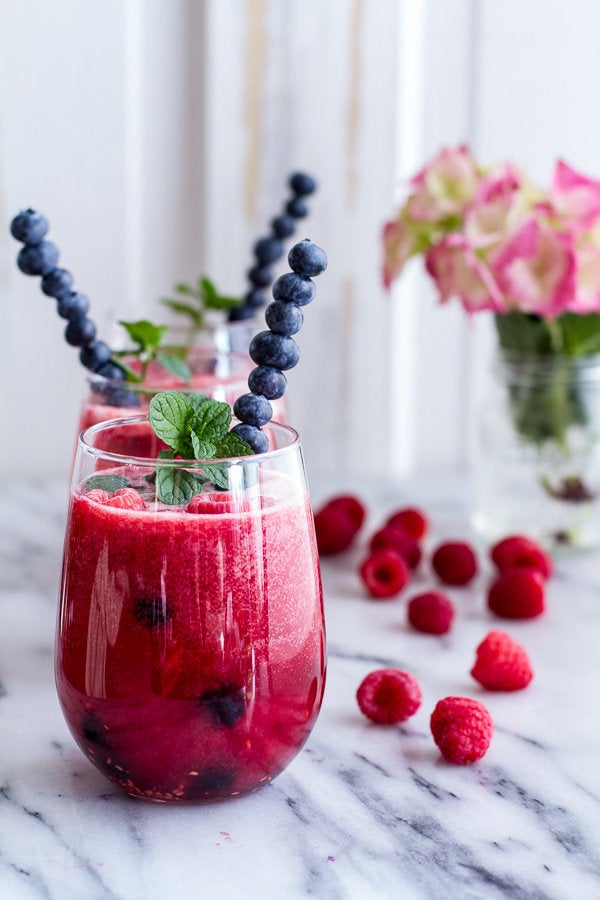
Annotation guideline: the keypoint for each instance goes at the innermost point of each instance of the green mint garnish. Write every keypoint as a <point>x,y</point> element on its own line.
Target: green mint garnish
<point>194,427</point>
<point>198,299</point>
<point>149,341</point>
<point>109,483</point>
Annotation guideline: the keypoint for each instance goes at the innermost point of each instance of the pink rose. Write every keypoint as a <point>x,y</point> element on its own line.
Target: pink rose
<point>574,197</point>
<point>445,187</point>
<point>398,244</point>
<point>587,256</point>
<point>499,204</point>
<point>535,268</point>
<point>458,272</point>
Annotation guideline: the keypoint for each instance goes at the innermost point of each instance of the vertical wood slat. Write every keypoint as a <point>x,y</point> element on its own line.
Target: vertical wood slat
<point>321,102</point>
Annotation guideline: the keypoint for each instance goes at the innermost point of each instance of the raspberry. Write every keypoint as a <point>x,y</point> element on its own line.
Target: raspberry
<point>517,594</point>
<point>395,539</point>
<point>454,562</point>
<point>431,612</point>
<point>98,495</point>
<point>126,498</point>
<point>501,663</point>
<point>335,531</point>
<point>462,729</point>
<point>387,696</point>
<point>518,551</point>
<point>215,504</point>
<point>384,573</point>
<point>412,521</point>
<point>350,507</point>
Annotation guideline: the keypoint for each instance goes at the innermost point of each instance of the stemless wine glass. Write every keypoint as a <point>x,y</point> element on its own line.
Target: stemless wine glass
<point>190,652</point>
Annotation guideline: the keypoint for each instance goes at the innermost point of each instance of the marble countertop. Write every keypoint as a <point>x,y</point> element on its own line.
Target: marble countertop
<point>363,811</point>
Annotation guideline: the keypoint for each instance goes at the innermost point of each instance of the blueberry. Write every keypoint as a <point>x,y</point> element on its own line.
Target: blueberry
<point>121,397</point>
<point>240,313</point>
<point>253,436</point>
<point>73,306</point>
<point>226,705</point>
<point>297,208</point>
<point>305,258</point>
<point>111,371</point>
<point>268,250</point>
<point>151,611</point>
<point>95,355</point>
<point>208,783</point>
<point>57,283</point>
<point>93,730</point>
<point>294,288</point>
<point>302,184</point>
<point>268,349</point>
<point>252,409</point>
<point>255,298</point>
<point>268,381</point>
<point>283,226</point>
<point>80,332</point>
<point>260,276</point>
<point>284,318</point>
<point>29,226</point>
<point>38,259</point>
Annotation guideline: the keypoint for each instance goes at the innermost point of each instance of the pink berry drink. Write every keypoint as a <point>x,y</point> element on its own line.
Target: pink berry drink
<point>190,657</point>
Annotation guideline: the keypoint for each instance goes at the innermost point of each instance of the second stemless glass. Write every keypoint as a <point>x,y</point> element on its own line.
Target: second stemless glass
<point>221,375</point>
<point>190,655</point>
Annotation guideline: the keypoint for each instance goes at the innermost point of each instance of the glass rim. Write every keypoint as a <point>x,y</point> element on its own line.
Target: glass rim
<point>142,387</point>
<point>85,446</point>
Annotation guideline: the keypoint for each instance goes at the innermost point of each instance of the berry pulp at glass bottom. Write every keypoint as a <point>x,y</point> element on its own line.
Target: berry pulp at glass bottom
<point>190,662</point>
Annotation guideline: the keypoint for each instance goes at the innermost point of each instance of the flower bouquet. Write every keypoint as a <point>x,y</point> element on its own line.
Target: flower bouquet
<point>496,242</point>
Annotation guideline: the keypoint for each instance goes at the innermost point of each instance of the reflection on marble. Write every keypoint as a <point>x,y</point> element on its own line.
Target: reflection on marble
<point>364,811</point>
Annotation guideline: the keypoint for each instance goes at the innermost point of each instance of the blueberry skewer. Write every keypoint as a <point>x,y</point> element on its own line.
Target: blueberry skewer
<point>270,249</point>
<point>39,256</point>
<point>275,350</point>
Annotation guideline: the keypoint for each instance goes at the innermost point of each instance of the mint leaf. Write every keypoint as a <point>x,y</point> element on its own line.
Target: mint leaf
<point>175,486</point>
<point>202,449</point>
<point>174,364</point>
<point>110,483</point>
<point>145,334</point>
<point>185,309</point>
<point>211,420</point>
<point>196,400</point>
<point>232,445</point>
<point>186,289</point>
<point>168,415</point>
<point>218,474</point>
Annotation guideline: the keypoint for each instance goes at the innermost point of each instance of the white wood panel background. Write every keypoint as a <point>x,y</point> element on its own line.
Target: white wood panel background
<point>157,136</point>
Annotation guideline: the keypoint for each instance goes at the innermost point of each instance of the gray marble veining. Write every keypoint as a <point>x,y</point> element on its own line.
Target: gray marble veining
<point>363,811</point>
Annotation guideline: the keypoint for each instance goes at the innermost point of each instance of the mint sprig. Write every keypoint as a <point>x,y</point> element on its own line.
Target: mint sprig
<point>194,427</point>
<point>149,340</point>
<point>194,300</point>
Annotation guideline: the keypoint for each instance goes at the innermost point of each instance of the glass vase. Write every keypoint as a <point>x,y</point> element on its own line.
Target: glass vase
<point>190,651</point>
<point>537,455</point>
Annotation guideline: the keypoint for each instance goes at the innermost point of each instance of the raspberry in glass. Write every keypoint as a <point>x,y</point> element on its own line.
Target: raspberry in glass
<point>517,594</point>
<point>455,563</point>
<point>462,729</point>
<point>387,696</point>
<point>501,663</point>
<point>431,612</point>
<point>384,573</point>
<point>518,551</point>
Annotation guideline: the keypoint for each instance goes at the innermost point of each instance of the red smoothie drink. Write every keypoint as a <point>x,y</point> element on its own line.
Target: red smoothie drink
<point>190,652</point>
